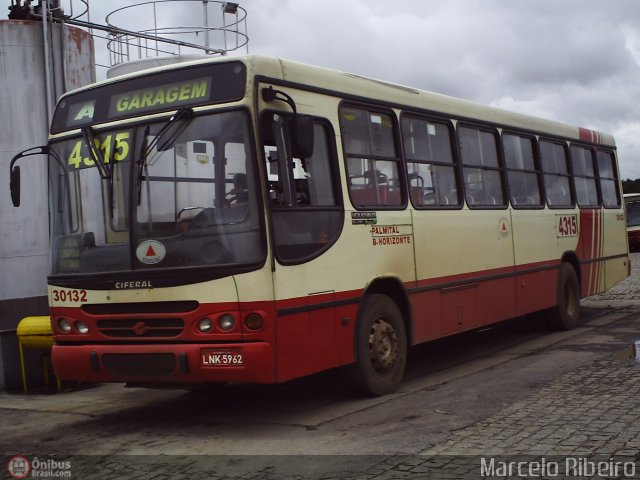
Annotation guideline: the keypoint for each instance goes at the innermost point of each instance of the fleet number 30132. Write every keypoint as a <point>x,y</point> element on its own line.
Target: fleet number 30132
<point>71,296</point>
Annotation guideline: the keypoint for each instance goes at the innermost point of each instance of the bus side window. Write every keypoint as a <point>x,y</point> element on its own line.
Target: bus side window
<point>373,163</point>
<point>313,223</point>
<point>430,164</point>
<point>584,176</point>
<point>481,169</point>
<point>522,174</point>
<point>553,157</point>
<point>608,179</point>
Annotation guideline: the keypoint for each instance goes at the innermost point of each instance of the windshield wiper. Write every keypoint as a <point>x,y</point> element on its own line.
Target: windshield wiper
<point>182,114</point>
<point>185,113</point>
<point>104,169</point>
<point>96,153</point>
<point>142,162</point>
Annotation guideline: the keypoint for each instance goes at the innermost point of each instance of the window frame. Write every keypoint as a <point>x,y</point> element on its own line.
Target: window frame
<point>398,159</point>
<point>499,168</point>
<point>593,177</point>
<point>334,165</point>
<point>455,163</point>
<point>615,179</point>
<point>568,175</point>
<point>537,165</point>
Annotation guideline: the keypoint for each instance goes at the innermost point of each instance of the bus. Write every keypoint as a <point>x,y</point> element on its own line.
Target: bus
<point>632,206</point>
<point>253,219</point>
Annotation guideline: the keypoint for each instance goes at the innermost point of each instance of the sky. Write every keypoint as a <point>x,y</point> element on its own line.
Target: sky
<point>574,61</point>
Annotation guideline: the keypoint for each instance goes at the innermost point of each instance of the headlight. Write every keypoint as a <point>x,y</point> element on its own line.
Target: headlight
<point>82,328</point>
<point>226,322</point>
<point>205,325</point>
<point>64,325</point>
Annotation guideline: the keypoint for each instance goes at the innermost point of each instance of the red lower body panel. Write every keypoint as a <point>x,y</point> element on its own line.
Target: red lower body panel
<point>185,363</point>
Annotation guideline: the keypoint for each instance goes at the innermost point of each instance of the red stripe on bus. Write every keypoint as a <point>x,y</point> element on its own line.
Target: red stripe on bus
<point>591,136</point>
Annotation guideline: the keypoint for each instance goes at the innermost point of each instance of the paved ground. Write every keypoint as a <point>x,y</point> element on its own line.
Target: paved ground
<point>562,403</point>
<point>589,413</point>
<point>592,410</point>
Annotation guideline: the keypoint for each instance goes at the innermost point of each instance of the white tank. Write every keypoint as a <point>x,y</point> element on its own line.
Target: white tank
<point>24,123</point>
<point>149,34</point>
<point>146,63</point>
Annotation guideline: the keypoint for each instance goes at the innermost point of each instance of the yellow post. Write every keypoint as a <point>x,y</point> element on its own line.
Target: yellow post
<point>22,371</point>
<point>35,332</point>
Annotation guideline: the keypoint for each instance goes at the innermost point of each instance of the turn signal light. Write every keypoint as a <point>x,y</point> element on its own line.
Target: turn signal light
<point>254,321</point>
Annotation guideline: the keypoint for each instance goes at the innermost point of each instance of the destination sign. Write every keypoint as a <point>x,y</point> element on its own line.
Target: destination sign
<point>165,91</point>
<point>172,96</point>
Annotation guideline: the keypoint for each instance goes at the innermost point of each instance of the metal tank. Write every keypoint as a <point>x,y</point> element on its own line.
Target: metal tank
<point>26,102</point>
<point>155,33</point>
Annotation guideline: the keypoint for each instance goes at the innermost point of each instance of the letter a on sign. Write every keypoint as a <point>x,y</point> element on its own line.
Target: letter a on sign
<point>85,112</point>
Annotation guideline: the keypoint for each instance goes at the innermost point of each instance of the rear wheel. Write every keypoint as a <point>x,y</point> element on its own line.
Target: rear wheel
<point>566,314</point>
<point>381,347</point>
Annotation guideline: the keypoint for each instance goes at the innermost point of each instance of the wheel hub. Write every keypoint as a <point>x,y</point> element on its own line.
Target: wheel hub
<point>383,345</point>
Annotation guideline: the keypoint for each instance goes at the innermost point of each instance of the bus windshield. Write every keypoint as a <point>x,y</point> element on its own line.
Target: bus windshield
<point>632,205</point>
<point>174,193</point>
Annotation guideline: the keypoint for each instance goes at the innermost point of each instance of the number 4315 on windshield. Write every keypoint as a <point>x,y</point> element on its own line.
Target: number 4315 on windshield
<point>114,146</point>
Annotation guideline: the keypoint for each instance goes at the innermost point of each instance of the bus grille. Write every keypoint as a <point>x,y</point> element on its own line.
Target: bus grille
<point>141,328</point>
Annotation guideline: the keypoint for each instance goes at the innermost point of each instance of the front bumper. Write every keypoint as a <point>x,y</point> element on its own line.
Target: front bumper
<point>185,363</point>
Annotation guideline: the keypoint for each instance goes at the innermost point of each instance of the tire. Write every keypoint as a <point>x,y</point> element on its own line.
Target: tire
<point>566,314</point>
<point>380,347</point>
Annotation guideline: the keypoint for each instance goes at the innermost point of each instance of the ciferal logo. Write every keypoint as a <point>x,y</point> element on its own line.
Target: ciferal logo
<point>19,467</point>
<point>140,329</point>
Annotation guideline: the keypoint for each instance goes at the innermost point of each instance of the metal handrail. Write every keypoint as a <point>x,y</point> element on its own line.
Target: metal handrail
<point>156,40</point>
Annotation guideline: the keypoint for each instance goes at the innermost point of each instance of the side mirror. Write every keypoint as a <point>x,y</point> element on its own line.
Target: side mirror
<point>15,186</point>
<point>302,136</point>
<point>14,181</point>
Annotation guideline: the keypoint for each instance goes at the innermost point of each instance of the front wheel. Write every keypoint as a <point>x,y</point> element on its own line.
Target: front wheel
<point>381,347</point>
<point>566,313</point>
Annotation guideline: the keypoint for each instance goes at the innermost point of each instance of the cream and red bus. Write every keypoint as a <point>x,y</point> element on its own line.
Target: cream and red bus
<point>632,207</point>
<point>253,219</point>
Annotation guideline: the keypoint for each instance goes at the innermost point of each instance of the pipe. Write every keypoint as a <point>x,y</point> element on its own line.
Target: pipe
<point>47,67</point>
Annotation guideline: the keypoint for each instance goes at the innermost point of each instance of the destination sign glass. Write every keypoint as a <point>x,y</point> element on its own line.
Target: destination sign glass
<point>154,93</point>
<point>176,95</point>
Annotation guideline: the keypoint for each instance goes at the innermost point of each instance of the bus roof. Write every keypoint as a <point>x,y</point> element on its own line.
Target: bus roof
<point>359,88</point>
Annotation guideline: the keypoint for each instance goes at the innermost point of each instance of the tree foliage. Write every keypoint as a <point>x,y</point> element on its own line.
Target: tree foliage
<point>631,186</point>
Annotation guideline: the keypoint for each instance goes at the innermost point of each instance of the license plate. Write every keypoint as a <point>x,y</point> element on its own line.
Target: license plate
<point>221,358</point>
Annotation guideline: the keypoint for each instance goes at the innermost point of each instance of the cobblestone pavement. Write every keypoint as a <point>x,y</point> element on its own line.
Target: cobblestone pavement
<point>627,291</point>
<point>595,410</point>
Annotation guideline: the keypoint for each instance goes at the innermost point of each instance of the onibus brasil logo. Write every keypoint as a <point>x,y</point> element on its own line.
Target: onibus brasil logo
<point>21,467</point>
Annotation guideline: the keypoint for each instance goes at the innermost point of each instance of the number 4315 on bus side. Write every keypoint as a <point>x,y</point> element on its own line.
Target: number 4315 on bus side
<point>567,225</point>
